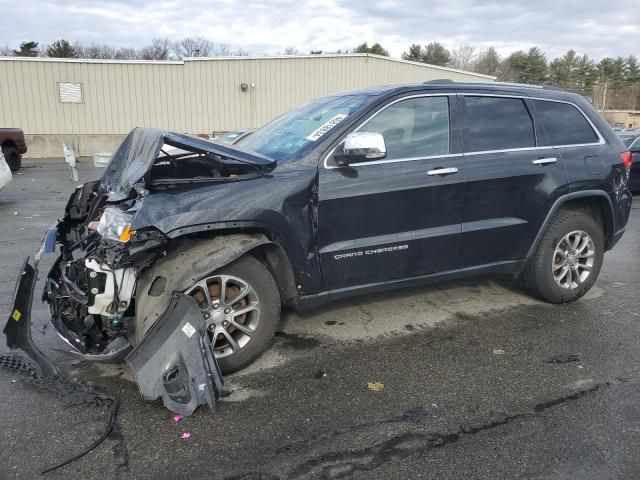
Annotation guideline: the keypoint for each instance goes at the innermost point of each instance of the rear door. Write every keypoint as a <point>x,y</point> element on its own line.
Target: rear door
<point>398,217</point>
<point>583,151</point>
<point>510,178</point>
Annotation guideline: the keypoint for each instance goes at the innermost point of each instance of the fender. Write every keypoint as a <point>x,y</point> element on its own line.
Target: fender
<point>184,265</point>
<point>562,200</point>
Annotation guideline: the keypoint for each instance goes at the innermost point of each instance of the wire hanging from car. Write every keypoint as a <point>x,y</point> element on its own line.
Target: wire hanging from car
<point>102,438</point>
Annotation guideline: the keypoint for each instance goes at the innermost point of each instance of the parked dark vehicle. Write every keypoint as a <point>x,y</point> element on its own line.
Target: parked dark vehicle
<point>357,192</point>
<point>13,146</point>
<point>633,144</point>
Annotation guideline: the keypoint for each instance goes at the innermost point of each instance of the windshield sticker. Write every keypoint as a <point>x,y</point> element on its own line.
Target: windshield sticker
<point>326,127</point>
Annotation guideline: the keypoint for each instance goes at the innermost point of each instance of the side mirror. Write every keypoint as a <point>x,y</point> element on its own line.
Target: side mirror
<point>361,147</point>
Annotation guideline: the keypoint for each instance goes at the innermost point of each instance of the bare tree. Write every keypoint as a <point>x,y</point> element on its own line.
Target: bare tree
<point>462,57</point>
<point>94,50</point>
<point>6,51</point>
<point>291,51</point>
<point>193,47</point>
<point>126,53</point>
<point>158,49</point>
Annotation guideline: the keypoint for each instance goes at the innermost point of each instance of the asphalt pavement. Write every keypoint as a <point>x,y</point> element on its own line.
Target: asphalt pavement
<point>461,380</point>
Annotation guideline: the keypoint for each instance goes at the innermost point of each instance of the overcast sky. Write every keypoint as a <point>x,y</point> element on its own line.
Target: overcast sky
<point>595,27</point>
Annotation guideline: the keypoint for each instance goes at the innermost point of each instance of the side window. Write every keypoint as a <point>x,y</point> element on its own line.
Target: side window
<point>563,124</point>
<point>416,127</point>
<point>496,123</point>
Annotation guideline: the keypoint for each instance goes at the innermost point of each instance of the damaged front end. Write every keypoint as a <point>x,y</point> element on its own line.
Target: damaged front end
<point>91,288</point>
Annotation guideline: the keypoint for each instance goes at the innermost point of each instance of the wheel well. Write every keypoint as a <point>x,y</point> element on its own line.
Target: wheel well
<point>597,208</point>
<point>278,264</point>
<point>271,255</point>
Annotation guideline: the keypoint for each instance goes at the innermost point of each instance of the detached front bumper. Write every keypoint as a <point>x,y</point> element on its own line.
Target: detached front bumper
<point>174,361</point>
<point>18,326</point>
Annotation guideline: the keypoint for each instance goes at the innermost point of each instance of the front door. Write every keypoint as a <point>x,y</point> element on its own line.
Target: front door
<point>398,217</point>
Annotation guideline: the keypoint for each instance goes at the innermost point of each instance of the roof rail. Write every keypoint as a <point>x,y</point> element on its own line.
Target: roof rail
<point>500,84</point>
<point>554,88</point>
<point>439,80</point>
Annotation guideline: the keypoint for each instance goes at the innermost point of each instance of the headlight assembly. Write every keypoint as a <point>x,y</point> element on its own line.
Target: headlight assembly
<point>115,225</point>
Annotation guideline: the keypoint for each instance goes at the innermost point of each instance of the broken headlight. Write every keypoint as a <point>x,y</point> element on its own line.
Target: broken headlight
<point>115,225</point>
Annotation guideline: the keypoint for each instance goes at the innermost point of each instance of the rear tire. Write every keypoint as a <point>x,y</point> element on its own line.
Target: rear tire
<point>13,158</point>
<point>568,259</point>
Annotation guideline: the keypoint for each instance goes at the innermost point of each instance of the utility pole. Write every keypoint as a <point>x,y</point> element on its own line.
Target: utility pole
<point>604,96</point>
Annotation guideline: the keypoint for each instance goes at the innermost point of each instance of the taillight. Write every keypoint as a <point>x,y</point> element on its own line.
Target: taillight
<point>627,159</point>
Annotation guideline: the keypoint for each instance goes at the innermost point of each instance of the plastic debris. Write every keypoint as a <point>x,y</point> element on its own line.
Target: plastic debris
<point>176,417</point>
<point>185,436</point>
<point>565,358</point>
<point>498,351</point>
<point>375,386</point>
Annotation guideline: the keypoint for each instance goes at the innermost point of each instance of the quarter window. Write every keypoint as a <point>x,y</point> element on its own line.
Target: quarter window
<point>563,124</point>
<point>494,123</point>
<point>413,128</point>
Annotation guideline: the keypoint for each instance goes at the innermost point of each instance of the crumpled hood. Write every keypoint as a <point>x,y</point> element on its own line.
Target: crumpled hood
<point>137,153</point>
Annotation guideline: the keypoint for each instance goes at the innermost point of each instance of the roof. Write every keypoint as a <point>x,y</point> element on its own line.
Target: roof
<point>245,58</point>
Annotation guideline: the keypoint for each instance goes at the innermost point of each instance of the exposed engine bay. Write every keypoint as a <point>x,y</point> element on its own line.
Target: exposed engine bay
<point>104,250</point>
<point>91,289</point>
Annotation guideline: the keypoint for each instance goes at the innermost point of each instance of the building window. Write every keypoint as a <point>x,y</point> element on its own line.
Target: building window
<point>70,92</point>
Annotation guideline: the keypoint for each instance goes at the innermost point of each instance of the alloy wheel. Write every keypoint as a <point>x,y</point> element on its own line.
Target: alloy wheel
<point>573,259</point>
<point>231,308</point>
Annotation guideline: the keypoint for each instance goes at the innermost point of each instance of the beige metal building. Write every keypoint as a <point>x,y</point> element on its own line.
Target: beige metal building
<point>623,118</point>
<point>93,103</point>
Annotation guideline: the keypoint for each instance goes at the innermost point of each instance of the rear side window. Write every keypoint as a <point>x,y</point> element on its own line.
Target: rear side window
<point>495,123</point>
<point>563,124</point>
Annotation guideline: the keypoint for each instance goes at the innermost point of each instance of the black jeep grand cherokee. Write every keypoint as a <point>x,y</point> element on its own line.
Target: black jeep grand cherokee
<point>355,192</point>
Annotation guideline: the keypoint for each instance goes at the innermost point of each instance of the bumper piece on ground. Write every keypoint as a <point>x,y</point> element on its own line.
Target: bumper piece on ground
<point>175,360</point>
<point>18,327</point>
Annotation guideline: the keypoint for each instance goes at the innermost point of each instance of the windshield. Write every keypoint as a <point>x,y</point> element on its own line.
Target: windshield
<point>628,141</point>
<point>288,136</point>
<point>231,137</point>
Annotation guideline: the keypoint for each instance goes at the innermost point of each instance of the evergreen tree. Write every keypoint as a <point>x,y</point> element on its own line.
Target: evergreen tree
<point>632,70</point>
<point>436,54</point>
<point>61,49</point>
<point>521,67</point>
<point>414,54</point>
<point>27,49</point>
<point>487,62</point>
<point>375,49</point>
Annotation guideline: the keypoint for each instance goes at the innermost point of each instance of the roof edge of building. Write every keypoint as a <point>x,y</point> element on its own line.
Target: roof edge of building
<point>239,57</point>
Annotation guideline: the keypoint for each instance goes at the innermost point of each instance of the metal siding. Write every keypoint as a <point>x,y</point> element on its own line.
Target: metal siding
<point>197,96</point>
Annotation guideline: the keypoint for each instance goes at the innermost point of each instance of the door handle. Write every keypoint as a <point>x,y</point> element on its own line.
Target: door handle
<point>443,171</point>
<point>544,161</point>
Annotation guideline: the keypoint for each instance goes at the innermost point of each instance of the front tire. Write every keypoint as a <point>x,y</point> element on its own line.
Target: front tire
<point>241,304</point>
<point>13,158</point>
<point>568,259</point>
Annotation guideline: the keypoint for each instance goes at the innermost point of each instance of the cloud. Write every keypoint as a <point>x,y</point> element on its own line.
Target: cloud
<point>596,27</point>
